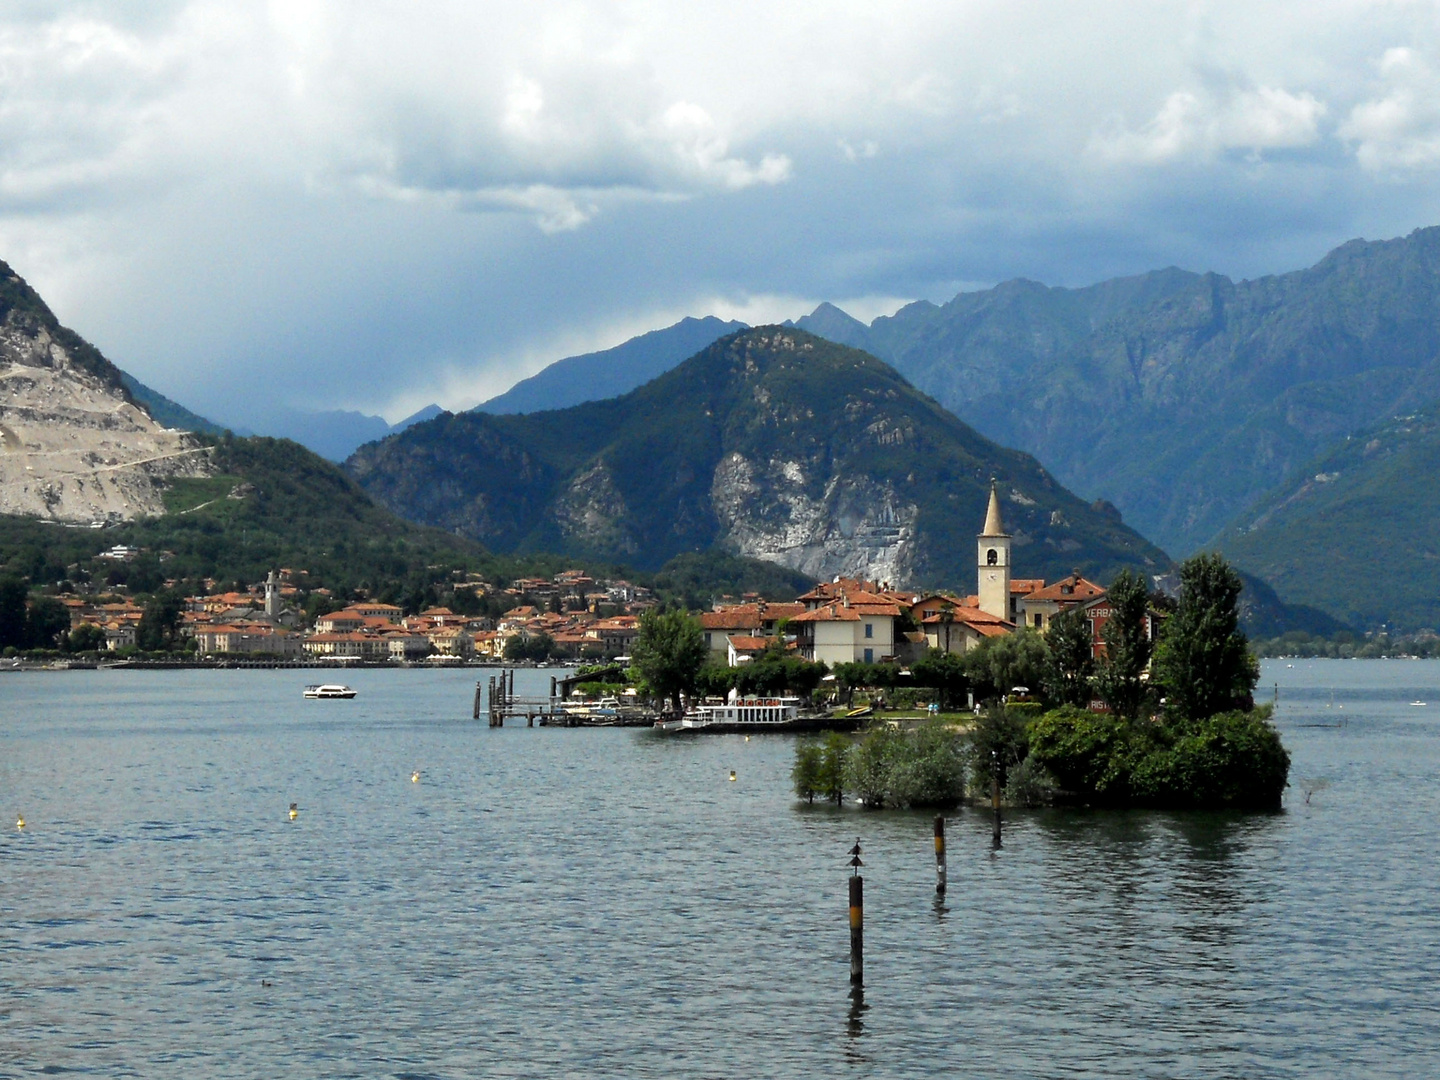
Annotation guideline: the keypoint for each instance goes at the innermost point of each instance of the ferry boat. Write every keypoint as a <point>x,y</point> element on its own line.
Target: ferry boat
<point>742,714</point>
<point>329,690</point>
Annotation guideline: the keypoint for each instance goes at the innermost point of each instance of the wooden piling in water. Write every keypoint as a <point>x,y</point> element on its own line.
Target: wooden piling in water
<point>995,805</point>
<point>857,930</point>
<point>475,714</point>
<point>939,855</point>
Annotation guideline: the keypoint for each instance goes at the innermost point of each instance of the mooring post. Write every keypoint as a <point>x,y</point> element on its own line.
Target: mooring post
<point>475,715</point>
<point>939,855</point>
<point>995,797</point>
<point>857,918</point>
<point>492,700</point>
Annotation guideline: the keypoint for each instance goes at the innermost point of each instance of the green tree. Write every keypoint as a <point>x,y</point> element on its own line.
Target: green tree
<point>12,613</point>
<point>1203,661</point>
<point>870,771</point>
<point>999,664</point>
<point>930,767</point>
<point>1071,662</point>
<point>999,740</point>
<point>834,766</point>
<point>809,761</point>
<point>945,673</point>
<point>47,623</point>
<point>1121,678</point>
<point>669,653</point>
<point>86,638</point>
<point>159,628</point>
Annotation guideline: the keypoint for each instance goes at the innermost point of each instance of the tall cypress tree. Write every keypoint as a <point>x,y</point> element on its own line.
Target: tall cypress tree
<point>1071,664</point>
<point>1203,660</point>
<point>1127,645</point>
<point>12,612</point>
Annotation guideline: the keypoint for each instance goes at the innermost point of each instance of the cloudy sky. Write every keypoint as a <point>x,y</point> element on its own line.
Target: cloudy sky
<point>375,204</point>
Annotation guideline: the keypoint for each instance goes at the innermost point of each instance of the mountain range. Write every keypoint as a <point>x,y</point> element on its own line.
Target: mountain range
<point>1189,401</point>
<point>770,443</point>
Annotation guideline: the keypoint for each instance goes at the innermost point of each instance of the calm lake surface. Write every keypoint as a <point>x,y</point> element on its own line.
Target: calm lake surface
<point>549,902</point>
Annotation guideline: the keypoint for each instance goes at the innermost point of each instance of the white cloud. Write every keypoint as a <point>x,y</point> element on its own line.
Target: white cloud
<point>336,198</point>
<point>1196,125</point>
<point>1400,130</point>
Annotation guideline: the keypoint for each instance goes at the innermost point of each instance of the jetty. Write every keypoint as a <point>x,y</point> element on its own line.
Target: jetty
<point>499,702</point>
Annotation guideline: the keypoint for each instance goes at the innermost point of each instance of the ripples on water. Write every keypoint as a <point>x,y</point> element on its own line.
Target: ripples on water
<point>549,902</point>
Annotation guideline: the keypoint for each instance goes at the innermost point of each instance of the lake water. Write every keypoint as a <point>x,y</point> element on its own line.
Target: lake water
<point>550,902</point>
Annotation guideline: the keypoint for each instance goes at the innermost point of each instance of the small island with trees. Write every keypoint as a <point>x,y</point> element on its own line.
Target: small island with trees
<point>1160,720</point>
<point>1167,724</point>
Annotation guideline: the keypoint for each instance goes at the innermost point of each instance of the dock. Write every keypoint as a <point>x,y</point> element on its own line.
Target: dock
<point>499,702</point>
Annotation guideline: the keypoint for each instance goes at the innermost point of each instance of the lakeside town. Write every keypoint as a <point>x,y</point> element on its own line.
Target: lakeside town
<point>577,618</point>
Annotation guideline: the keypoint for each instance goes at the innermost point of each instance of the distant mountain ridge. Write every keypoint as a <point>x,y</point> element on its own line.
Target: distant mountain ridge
<point>769,443</point>
<point>610,372</point>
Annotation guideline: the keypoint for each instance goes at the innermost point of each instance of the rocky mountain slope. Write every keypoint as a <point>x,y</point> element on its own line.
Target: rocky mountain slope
<point>770,443</point>
<point>1357,533</point>
<point>73,445</point>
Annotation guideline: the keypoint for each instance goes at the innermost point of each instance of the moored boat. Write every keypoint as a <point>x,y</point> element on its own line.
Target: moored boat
<point>329,690</point>
<point>747,715</point>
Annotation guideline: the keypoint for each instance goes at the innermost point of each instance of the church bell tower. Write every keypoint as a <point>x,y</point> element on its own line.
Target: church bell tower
<point>994,590</point>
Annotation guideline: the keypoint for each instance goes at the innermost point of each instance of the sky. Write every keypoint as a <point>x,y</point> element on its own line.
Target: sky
<point>376,204</point>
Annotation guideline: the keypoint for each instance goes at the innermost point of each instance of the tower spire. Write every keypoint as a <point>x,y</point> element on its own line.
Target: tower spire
<point>993,525</point>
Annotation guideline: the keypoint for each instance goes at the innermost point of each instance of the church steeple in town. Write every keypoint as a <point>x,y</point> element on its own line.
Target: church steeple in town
<point>994,561</point>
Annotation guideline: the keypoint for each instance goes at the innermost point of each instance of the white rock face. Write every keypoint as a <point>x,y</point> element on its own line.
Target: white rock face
<point>71,447</point>
<point>851,526</point>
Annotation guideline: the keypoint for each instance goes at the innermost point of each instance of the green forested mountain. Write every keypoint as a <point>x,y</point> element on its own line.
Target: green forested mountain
<point>268,503</point>
<point>1357,533</point>
<point>771,443</point>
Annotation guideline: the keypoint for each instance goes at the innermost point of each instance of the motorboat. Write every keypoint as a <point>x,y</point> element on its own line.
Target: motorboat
<point>329,690</point>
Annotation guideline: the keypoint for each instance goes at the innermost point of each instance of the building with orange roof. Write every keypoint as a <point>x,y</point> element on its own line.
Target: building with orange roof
<point>1042,605</point>
<point>856,627</point>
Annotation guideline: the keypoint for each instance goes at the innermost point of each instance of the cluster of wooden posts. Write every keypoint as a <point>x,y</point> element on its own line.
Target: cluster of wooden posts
<point>501,702</point>
<point>857,887</point>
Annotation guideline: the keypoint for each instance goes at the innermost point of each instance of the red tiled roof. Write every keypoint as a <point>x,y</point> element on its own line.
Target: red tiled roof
<point>1080,590</point>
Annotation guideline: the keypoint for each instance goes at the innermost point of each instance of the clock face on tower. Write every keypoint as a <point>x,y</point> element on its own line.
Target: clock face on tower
<point>994,576</point>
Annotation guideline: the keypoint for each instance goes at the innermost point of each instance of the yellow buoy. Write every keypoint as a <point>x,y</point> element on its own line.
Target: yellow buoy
<point>20,822</point>
<point>732,774</point>
<point>415,777</point>
<point>294,811</point>
<point>747,738</point>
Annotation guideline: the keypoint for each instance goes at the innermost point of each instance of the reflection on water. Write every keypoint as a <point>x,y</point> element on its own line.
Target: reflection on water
<point>549,902</point>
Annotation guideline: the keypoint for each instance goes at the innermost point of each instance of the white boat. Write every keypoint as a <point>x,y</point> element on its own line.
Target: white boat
<point>741,714</point>
<point>329,690</point>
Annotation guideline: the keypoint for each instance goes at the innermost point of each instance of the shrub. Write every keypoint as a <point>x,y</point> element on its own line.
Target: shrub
<point>834,765</point>
<point>929,768</point>
<point>1030,784</point>
<point>870,772</point>
<point>809,764</point>
<point>1232,759</point>
<point>1089,754</point>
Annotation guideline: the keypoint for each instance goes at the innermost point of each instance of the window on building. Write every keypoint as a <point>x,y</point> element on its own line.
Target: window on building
<point>869,629</point>
<point>869,656</point>
<point>1037,619</point>
<point>992,557</point>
